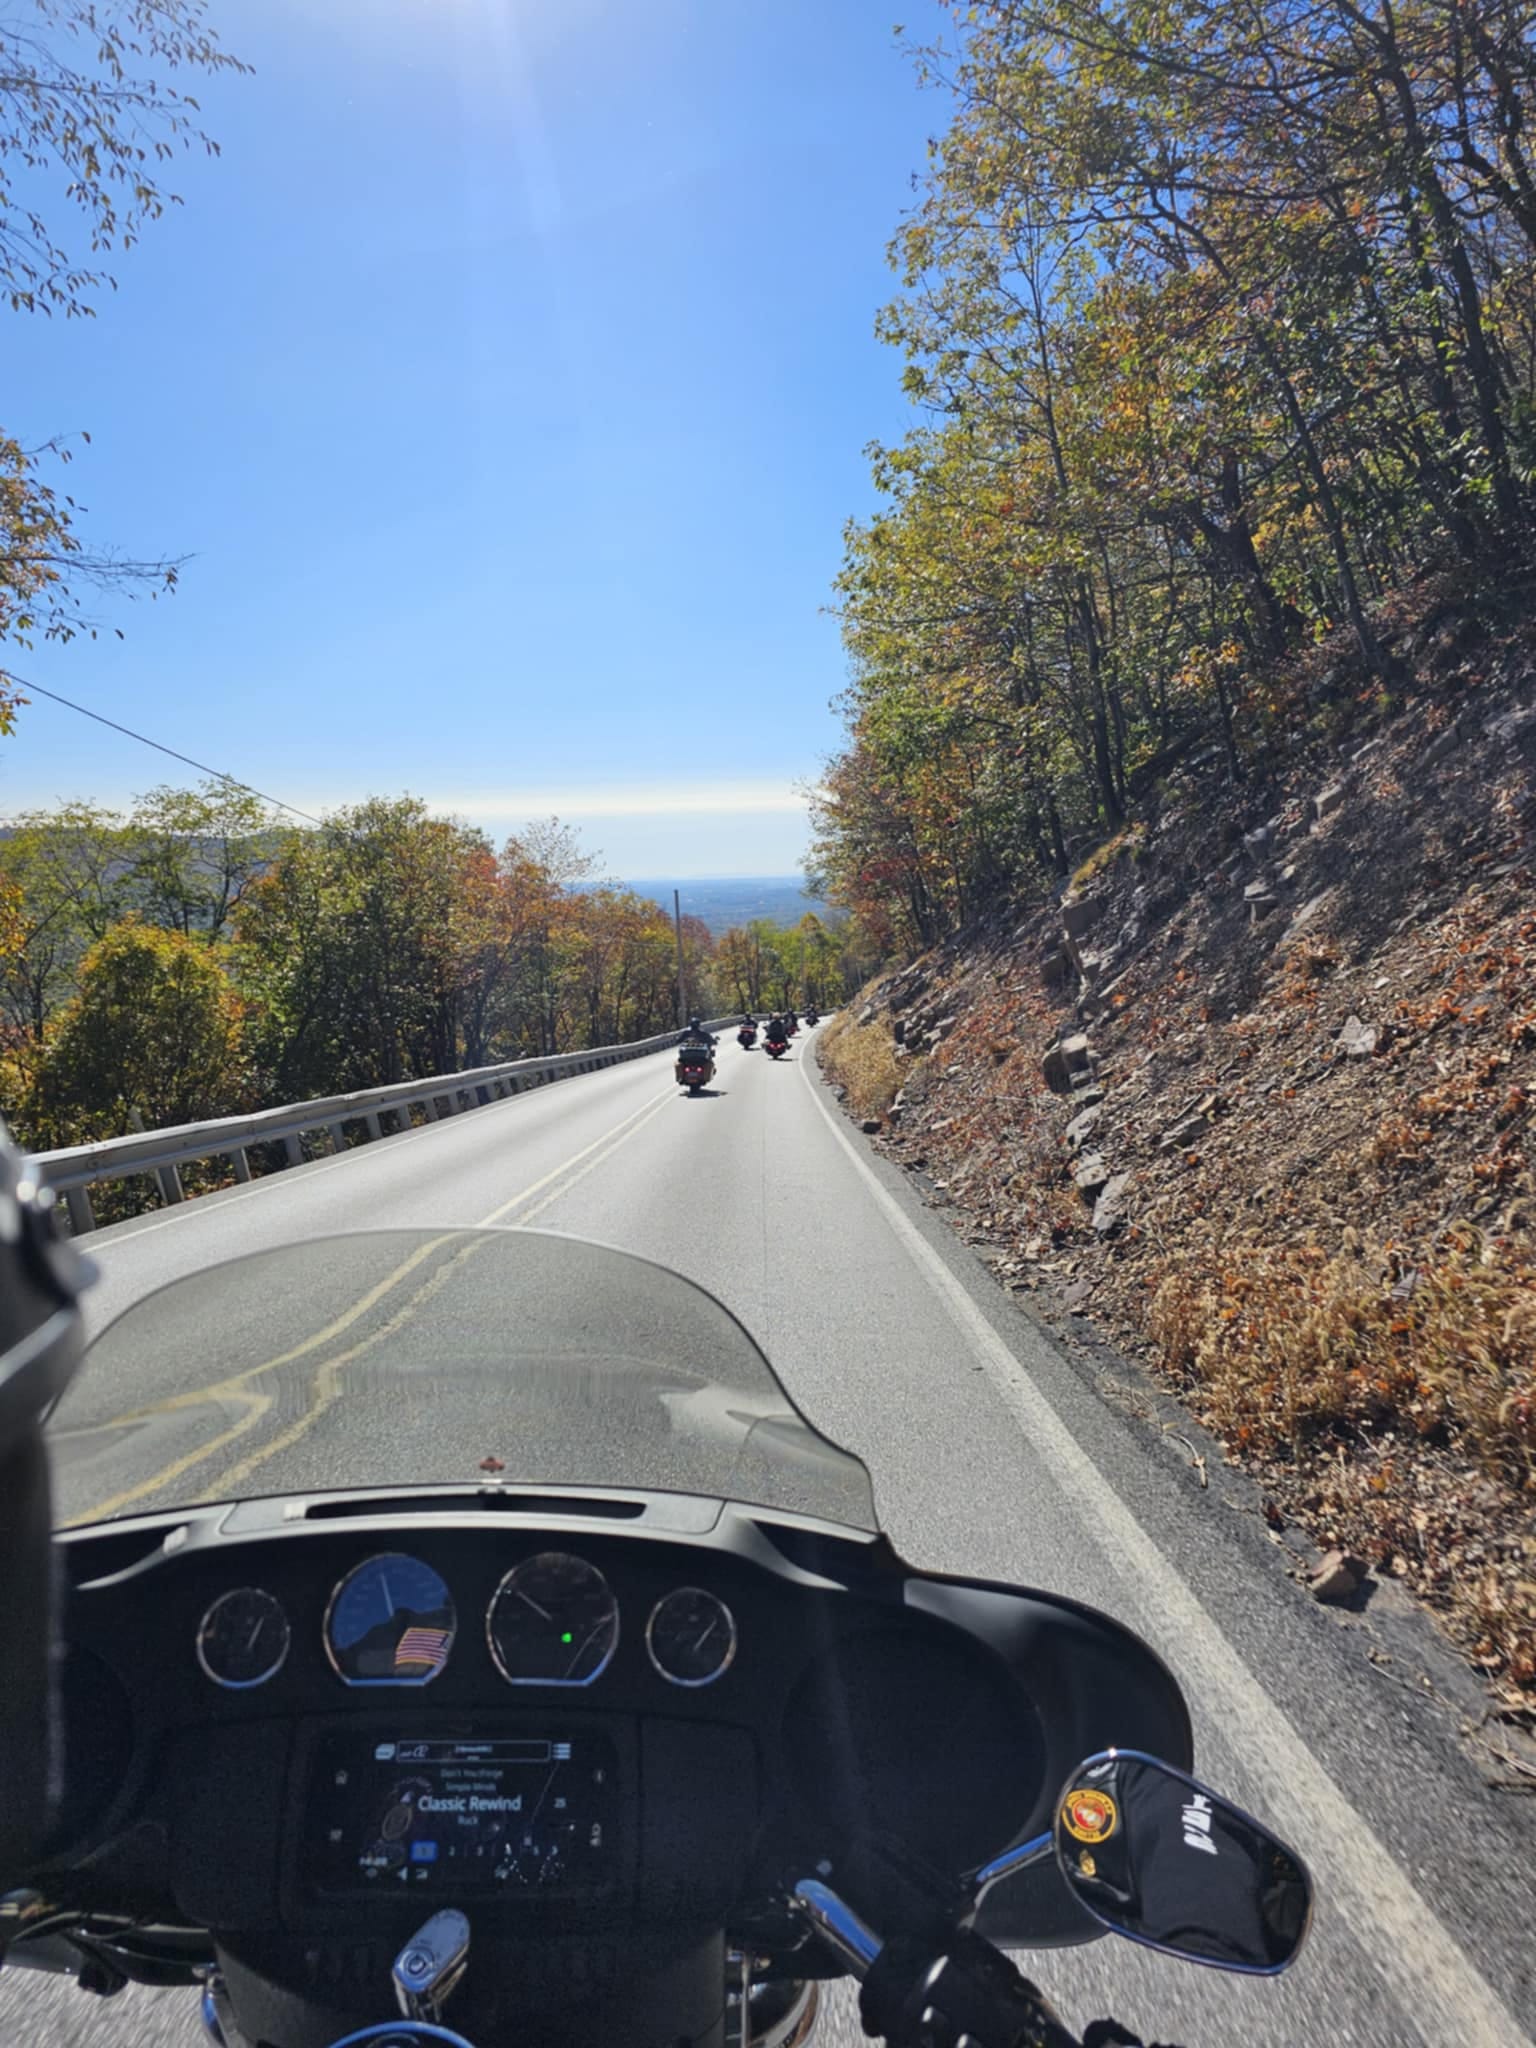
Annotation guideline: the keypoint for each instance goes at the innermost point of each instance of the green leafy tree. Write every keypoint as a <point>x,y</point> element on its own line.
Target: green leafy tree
<point>69,879</point>
<point>154,1030</point>
<point>195,853</point>
<point>350,946</point>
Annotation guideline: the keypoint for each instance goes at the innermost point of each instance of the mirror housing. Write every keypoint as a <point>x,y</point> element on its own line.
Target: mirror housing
<point>1156,1856</point>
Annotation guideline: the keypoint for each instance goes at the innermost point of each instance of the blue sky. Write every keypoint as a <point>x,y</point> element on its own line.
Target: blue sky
<point>507,380</point>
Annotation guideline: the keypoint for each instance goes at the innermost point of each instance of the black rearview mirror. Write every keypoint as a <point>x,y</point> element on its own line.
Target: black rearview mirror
<point>1157,1857</point>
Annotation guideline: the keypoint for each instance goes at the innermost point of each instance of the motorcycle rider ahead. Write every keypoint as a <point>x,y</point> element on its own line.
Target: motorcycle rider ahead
<point>696,1034</point>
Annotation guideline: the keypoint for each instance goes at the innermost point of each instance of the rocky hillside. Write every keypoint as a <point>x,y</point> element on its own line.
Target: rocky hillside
<point>1256,1096</point>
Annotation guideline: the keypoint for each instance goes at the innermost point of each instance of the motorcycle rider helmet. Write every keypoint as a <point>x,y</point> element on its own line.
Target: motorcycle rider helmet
<point>41,1338</point>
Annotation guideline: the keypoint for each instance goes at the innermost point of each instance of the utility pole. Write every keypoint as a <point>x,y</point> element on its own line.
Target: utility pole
<point>682,979</point>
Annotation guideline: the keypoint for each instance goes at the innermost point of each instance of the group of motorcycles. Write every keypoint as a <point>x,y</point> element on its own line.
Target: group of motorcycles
<point>695,1065</point>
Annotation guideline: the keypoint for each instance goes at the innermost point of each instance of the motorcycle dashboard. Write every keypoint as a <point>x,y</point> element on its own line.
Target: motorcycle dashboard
<point>679,1704</point>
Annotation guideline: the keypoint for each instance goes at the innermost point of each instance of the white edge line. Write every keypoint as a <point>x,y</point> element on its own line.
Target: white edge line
<point>1422,1962</point>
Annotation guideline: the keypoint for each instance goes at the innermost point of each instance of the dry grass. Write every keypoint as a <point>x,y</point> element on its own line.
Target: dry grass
<point>1102,857</point>
<point>1402,1365</point>
<point>862,1058</point>
<point>1286,1343</point>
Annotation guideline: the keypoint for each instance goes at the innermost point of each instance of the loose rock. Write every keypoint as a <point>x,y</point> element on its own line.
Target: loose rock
<point>1090,1175</point>
<point>1081,1126</point>
<point>1513,726</point>
<point>1109,1210</point>
<point>1182,1134</point>
<point>1357,1041</point>
<point>1338,1577</point>
<point>1440,746</point>
<point>1067,1056</point>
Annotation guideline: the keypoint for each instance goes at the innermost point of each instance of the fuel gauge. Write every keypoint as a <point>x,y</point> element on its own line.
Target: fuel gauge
<point>691,1636</point>
<point>243,1638</point>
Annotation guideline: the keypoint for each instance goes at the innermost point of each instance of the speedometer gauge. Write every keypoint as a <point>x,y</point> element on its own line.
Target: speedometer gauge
<point>552,1621</point>
<point>243,1638</point>
<point>391,1621</point>
<point>691,1636</point>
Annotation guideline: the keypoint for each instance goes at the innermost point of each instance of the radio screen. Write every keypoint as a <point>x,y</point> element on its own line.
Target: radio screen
<point>468,1817</point>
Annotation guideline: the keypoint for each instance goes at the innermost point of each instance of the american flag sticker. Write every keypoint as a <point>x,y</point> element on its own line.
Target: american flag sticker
<point>423,1649</point>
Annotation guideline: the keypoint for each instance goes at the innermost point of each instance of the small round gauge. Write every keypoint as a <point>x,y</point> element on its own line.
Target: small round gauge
<point>552,1621</point>
<point>691,1636</point>
<point>391,1621</point>
<point>243,1638</point>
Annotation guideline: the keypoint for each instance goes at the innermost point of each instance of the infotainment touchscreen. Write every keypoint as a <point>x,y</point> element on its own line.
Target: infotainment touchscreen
<point>458,1815</point>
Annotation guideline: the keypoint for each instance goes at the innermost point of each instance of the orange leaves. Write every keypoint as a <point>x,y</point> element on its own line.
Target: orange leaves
<point>1427,1016</point>
<point>1514,1102</point>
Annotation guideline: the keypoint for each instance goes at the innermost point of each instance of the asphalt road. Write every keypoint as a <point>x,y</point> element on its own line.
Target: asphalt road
<point>993,1450</point>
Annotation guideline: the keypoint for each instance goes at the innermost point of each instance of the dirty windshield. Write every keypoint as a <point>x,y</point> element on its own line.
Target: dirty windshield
<point>414,1358</point>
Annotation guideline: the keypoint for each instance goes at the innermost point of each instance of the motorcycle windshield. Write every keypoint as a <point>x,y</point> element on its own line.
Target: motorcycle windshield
<point>470,1358</point>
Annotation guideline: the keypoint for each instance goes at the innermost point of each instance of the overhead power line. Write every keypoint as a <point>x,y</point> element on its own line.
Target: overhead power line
<point>145,741</point>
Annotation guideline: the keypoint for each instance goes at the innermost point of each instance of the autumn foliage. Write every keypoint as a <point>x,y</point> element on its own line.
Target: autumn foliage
<point>1221,324</point>
<point>196,958</point>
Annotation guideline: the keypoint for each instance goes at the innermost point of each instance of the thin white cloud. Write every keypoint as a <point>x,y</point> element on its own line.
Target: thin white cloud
<point>631,800</point>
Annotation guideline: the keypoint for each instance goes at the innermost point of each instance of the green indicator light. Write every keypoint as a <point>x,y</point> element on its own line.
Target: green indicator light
<point>567,1637</point>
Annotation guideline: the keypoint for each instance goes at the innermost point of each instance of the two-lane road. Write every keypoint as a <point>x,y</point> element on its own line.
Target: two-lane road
<point>991,1452</point>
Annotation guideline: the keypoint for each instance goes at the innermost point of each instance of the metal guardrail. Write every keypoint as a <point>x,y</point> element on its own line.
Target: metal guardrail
<point>75,1169</point>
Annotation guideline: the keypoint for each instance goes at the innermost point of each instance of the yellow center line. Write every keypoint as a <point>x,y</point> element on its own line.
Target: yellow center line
<point>327,1389</point>
<point>237,1387</point>
<point>610,1144</point>
<point>612,1138</point>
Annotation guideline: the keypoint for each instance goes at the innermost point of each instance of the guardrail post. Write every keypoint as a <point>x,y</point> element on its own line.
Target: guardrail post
<point>371,1119</point>
<point>338,1131</point>
<point>293,1150</point>
<point>167,1178</point>
<point>81,1218</point>
<point>241,1164</point>
<point>428,1110</point>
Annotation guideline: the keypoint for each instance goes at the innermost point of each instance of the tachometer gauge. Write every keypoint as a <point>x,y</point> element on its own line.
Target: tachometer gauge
<point>243,1638</point>
<point>552,1621</point>
<point>691,1636</point>
<point>390,1622</point>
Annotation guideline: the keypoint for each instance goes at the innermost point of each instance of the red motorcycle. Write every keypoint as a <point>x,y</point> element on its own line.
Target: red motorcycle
<point>775,1047</point>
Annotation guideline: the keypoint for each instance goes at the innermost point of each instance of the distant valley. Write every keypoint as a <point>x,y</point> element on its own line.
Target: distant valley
<point>728,900</point>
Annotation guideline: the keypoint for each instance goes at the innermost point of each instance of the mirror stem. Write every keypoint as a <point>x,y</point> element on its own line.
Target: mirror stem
<point>1038,1849</point>
<point>838,1925</point>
